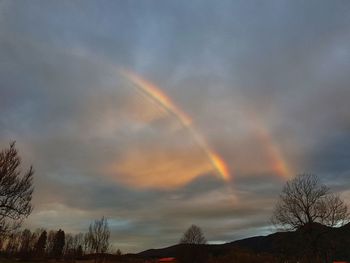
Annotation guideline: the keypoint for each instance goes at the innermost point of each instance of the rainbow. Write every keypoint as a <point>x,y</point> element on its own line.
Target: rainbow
<point>277,163</point>
<point>154,93</point>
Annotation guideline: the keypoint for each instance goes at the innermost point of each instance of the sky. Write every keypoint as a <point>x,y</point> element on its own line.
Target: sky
<point>162,114</point>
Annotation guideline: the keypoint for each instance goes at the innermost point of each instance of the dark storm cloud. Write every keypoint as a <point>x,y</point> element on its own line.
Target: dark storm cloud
<point>285,62</point>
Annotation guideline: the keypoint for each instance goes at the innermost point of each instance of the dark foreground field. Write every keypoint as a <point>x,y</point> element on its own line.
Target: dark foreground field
<point>323,244</point>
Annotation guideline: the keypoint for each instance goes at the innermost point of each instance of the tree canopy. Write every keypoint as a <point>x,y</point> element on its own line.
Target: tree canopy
<point>98,235</point>
<point>193,235</point>
<point>305,200</point>
<point>16,190</point>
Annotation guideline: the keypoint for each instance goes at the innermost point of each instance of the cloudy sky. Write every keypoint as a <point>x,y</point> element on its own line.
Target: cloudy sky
<point>163,114</point>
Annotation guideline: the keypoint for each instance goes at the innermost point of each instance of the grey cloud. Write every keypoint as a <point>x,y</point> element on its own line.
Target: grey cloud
<point>285,61</point>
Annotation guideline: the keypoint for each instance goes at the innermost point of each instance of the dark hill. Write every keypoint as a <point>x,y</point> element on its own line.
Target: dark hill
<point>160,252</point>
<point>173,251</point>
<point>293,243</point>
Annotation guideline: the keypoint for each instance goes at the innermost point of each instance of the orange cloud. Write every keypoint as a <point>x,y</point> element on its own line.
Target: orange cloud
<point>156,95</point>
<point>162,149</point>
<point>160,168</point>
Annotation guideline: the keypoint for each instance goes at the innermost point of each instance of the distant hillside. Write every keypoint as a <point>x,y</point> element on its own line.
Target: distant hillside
<point>294,243</point>
<point>173,251</point>
<point>160,252</point>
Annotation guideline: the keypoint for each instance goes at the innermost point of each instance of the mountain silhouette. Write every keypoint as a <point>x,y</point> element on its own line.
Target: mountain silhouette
<point>330,242</point>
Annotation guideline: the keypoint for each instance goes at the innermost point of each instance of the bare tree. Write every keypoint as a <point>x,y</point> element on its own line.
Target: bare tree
<point>86,244</point>
<point>334,211</point>
<point>25,243</point>
<point>304,200</point>
<point>192,249</point>
<point>40,245</point>
<point>193,235</point>
<point>99,234</point>
<point>304,204</point>
<point>68,249</point>
<point>13,243</point>
<point>58,244</point>
<point>78,240</point>
<point>15,190</point>
<point>50,242</point>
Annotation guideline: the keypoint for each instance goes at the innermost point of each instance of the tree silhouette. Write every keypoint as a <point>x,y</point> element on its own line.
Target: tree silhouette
<point>98,238</point>
<point>192,249</point>
<point>79,252</point>
<point>13,243</point>
<point>304,200</point>
<point>25,243</point>
<point>50,242</point>
<point>99,234</point>
<point>306,204</point>
<point>40,245</point>
<point>15,190</point>
<point>334,212</point>
<point>193,235</point>
<point>58,244</point>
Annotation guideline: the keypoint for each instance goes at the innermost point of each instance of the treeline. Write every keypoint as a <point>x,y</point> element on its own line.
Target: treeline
<point>43,244</point>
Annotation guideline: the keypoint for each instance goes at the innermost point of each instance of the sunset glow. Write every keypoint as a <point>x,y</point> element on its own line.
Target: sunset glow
<point>155,93</point>
<point>157,115</point>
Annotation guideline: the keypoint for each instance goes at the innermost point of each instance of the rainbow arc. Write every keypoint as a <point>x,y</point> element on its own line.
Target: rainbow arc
<point>156,94</point>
